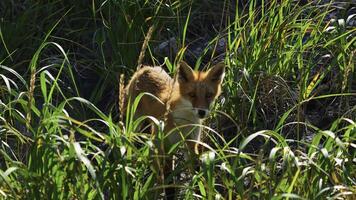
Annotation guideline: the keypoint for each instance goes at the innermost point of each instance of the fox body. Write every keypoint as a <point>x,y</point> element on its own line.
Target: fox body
<point>189,97</point>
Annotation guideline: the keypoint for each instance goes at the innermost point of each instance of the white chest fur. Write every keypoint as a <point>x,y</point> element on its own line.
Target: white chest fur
<point>186,121</point>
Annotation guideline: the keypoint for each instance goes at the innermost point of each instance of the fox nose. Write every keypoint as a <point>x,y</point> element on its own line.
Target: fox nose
<point>201,113</point>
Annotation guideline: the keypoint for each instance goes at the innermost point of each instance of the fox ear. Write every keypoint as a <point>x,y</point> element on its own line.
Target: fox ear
<point>185,72</point>
<point>217,72</point>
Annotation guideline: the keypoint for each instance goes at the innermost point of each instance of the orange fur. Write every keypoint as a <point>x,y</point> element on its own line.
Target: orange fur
<point>189,97</point>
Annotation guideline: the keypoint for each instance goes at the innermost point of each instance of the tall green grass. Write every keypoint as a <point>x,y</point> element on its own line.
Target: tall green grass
<point>58,141</point>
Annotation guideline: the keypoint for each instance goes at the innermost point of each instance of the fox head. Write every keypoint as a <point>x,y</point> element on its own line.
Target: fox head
<point>200,88</point>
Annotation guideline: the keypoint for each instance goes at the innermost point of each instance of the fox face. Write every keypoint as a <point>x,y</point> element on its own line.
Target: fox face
<point>199,89</point>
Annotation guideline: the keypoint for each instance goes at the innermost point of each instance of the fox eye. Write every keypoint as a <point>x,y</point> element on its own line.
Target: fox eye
<point>209,95</point>
<point>192,95</point>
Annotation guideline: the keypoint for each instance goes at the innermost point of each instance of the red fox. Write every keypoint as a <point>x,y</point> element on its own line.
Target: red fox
<point>189,96</point>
